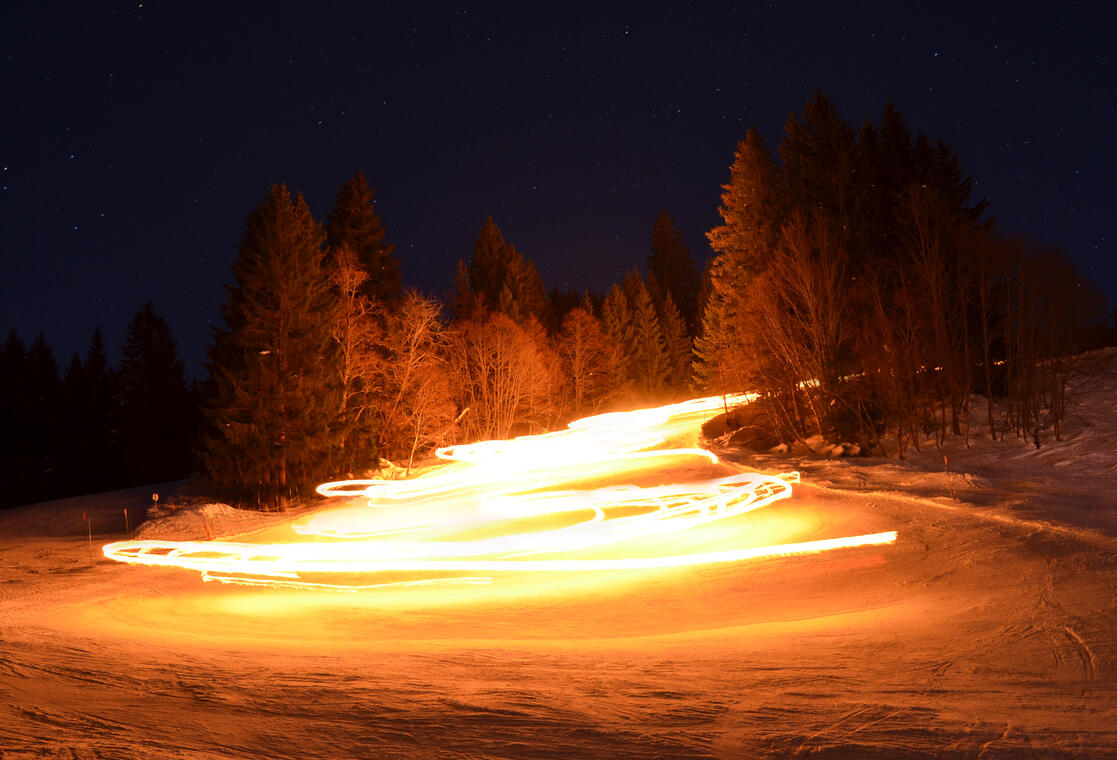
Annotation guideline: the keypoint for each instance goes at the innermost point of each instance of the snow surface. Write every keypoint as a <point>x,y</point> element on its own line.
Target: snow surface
<point>986,631</point>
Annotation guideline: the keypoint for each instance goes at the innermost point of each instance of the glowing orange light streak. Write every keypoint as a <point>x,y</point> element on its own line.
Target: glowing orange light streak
<point>482,512</point>
<point>238,558</point>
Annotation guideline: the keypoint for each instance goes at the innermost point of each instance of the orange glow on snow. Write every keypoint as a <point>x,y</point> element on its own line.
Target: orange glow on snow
<point>500,507</point>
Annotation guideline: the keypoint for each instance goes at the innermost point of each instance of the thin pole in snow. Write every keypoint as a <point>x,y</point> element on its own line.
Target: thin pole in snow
<point>89,533</point>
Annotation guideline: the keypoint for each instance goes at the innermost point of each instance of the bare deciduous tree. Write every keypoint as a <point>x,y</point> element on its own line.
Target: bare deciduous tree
<point>503,377</point>
<point>587,360</point>
<point>415,407</point>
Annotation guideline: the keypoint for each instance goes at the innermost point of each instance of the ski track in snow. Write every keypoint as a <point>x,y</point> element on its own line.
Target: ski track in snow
<point>989,630</point>
<point>968,638</point>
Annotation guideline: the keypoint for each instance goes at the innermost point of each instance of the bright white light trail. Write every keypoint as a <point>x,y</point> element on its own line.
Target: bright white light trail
<point>496,507</point>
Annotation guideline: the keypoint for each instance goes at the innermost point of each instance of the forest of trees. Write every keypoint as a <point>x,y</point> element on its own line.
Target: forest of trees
<point>325,364</point>
<point>858,287</point>
<point>854,284</point>
<point>91,426</point>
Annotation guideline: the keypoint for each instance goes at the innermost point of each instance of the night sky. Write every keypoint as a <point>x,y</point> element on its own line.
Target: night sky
<point>136,137</point>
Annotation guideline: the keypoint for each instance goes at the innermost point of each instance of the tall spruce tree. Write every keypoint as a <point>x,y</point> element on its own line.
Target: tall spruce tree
<point>818,154</point>
<point>355,224</point>
<point>465,302</point>
<point>492,263</point>
<point>672,270</point>
<point>273,363</point>
<point>648,364</point>
<point>14,424</point>
<point>93,458</point>
<point>838,267</point>
<point>506,281</point>
<point>41,404</point>
<point>157,415</point>
<point>677,344</point>
<point>616,319</point>
<point>742,244</point>
<point>750,212</point>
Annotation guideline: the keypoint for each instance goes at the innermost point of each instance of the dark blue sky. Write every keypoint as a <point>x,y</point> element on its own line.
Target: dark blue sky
<point>136,137</point>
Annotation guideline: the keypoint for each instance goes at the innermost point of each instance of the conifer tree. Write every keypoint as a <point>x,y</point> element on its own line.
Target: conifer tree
<point>41,405</point>
<point>465,302</point>
<point>818,155</point>
<point>616,319</point>
<point>717,357</point>
<point>93,461</point>
<point>742,245</point>
<point>13,421</point>
<point>672,270</point>
<point>273,364</point>
<point>647,355</point>
<point>355,224</point>
<point>749,212</point>
<point>677,344</point>
<point>493,260</point>
<point>505,280</point>
<point>561,303</point>
<point>156,411</point>
<point>533,295</point>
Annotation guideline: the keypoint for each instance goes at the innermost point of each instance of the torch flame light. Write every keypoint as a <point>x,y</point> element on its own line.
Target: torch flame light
<point>498,507</point>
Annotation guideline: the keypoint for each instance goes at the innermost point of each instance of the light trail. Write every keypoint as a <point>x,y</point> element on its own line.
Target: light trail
<point>499,507</point>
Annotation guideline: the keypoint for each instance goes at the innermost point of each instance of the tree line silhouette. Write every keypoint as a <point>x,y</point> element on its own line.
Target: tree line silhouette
<point>92,427</point>
<point>855,286</point>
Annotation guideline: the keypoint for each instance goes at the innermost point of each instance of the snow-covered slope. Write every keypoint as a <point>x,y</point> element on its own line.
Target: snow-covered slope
<point>1072,481</point>
<point>989,629</point>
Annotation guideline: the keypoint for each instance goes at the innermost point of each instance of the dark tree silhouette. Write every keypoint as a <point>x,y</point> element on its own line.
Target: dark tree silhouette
<point>672,270</point>
<point>273,364</point>
<point>14,462</point>
<point>857,287</point>
<point>355,224</point>
<point>505,280</point>
<point>91,452</point>
<point>158,421</point>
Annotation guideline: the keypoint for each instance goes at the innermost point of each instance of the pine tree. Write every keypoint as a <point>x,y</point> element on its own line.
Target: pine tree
<point>742,246</point>
<point>157,415</point>
<point>273,364</point>
<point>41,403</point>
<point>533,295</point>
<point>818,155</point>
<point>92,458</point>
<point>465,302</point>
<point>493,260</point>
<point>355,224</point>
<point>14,424</point>
<point>505,280</point>
<point>672,269</point>
<point>677,344</point>
<point>561,303</point>
<point>749,212</point>
<point>716,367</point>
<point>647,354</point>
<point>616,319</point>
